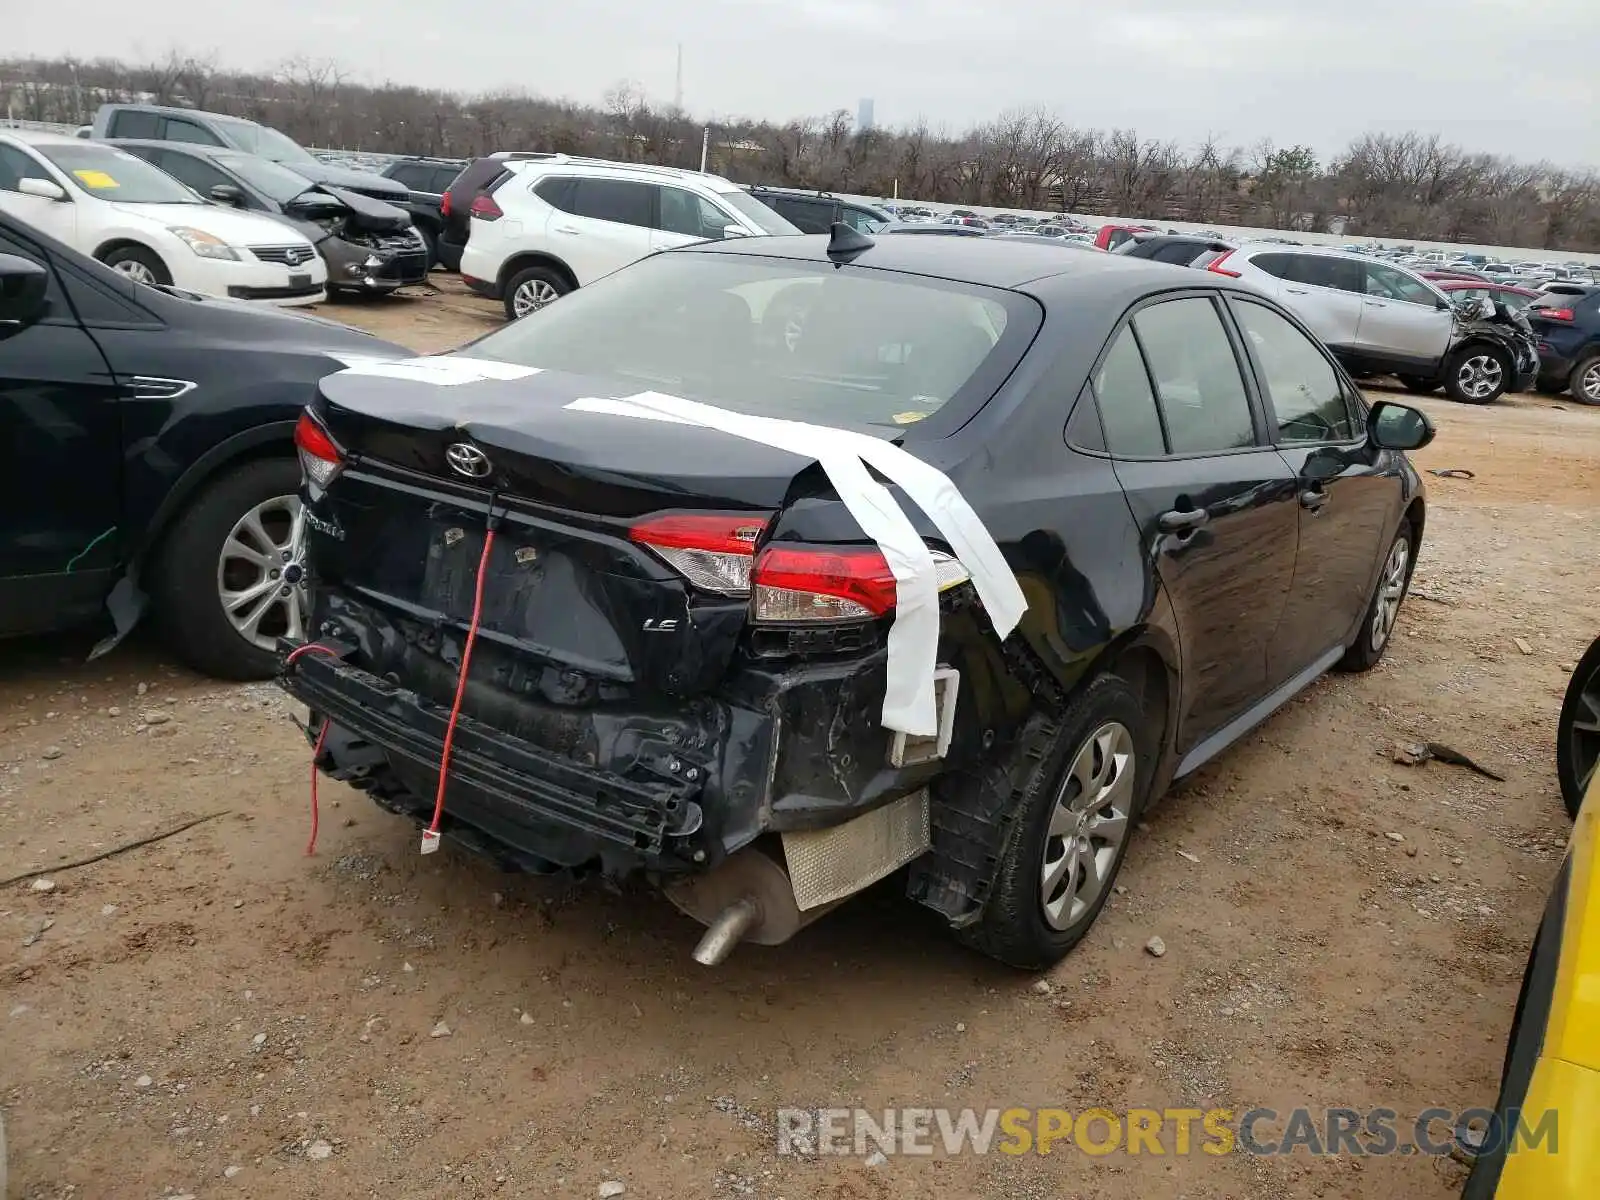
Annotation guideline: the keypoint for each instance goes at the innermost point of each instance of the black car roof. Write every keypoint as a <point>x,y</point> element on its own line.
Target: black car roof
<point>194,148</point>
<point>986,261</point>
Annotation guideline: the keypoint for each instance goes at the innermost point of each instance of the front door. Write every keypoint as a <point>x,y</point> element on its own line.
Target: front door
<point>1402,321</point>
<point>58,218</point>
<point>60,545</point>
<point>1215,505</point>
<point>1347,503</point>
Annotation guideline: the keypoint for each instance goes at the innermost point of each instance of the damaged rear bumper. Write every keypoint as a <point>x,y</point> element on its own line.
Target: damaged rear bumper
<point>667,793</point>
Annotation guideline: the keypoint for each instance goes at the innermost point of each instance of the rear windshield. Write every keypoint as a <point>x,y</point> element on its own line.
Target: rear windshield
<point>781,338</point>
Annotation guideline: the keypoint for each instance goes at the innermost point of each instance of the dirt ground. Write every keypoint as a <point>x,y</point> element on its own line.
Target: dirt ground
<point>219,1015</point>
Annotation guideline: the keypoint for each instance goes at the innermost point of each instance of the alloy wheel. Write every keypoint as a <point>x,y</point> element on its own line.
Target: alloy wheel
<point>1590,383</point>
<point>1581,740</point>
<point>1088,825</point>
<point>1391,589</point>
<point>136,271</point>
<point>532,296</point>
<point>261,573</point>
<point>1480,377</point>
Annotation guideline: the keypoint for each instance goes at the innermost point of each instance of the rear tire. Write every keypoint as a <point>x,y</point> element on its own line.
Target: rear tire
<point>1478,374</point>
<point>1383,610</point>
<point>531,288</point>
<point>430,240</point>
<point>1578,730</point>
<point>190,574</point>
<point>1416,383</point>
<point>1103,750</point>
<point>1584,382</point>
<point>139,264</point>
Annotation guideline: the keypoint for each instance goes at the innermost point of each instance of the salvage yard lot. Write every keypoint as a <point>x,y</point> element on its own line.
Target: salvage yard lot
<point>219,1015</point>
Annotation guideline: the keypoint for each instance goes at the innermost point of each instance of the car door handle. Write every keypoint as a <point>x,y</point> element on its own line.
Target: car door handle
<point>1182,520</point>
<point>568,229</point>
<point>1295,291</point>
<point>1376,304</point>
<point>1313,499</point>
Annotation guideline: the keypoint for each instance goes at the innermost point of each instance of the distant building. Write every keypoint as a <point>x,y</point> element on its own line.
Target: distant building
<point>864,115</point>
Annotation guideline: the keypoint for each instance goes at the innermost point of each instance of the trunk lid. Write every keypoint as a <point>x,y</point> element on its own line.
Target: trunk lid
<point>575,606</point>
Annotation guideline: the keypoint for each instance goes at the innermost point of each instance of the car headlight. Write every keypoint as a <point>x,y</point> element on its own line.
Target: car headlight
<point>204,244</point>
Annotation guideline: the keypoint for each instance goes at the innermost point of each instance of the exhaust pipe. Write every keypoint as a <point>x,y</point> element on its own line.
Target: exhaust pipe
<point>727,931</point>
<point>749,898</point>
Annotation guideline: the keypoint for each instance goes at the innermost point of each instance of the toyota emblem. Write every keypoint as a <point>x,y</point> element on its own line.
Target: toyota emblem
<point>467,460</point>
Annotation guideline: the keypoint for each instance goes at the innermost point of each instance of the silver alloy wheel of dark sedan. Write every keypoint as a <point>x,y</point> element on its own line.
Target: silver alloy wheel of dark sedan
<point>1480,376</point>
<point>533,295</point>
<point>1589,383</point>
<point>1391,590</point>
<point>261,574</point>
<point>1087,825</point>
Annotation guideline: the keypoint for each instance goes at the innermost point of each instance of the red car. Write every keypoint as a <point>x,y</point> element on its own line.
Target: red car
<point>1512,297</point>
<point>1112,236</point>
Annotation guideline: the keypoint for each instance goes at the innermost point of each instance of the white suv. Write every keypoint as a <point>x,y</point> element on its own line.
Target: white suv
<point>552,222</point>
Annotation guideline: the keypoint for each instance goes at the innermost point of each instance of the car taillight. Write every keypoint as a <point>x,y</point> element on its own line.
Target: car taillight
<point>444,205</point>
<point>485,209</point>
<point>836,583</point>
<point>713,551</point>
<point>1216,267</point>
<point>319,456</point>
<point>1553,314</point>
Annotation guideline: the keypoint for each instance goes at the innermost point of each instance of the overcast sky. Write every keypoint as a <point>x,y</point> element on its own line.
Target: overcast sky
<point>1509,76</point>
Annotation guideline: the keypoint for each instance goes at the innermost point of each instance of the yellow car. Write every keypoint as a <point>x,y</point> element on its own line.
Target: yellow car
<point>1552,1060</point>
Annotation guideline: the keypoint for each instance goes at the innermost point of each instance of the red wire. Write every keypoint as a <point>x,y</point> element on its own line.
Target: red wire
<point>461,681</point>
<point>316,753</point>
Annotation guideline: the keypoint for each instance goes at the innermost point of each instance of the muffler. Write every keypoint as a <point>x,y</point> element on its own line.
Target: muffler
<point>747,899</point>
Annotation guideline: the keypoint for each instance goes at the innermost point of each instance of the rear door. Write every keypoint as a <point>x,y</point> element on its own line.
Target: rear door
<point>1348,498</point>
<point>601,225</point>
<point>1402,321</point>
<point>1326,292</point>
<point>60,506</point>
<point>1215,504</point>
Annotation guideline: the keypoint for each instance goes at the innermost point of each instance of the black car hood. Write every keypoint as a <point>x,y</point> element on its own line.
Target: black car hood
<point>367,182</point>
<point>373,212</point>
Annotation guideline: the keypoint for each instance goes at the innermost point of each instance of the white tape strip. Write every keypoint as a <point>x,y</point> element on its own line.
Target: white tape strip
<point>443,370</point>
<point>913,644</point>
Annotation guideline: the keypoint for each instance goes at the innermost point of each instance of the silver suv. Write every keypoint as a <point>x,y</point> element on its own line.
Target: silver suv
<point>1377,318</point>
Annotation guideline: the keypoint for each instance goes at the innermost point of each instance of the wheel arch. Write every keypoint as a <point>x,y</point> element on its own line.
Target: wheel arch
<point>1147,659</point>
<point>533,258</point>
<point>122,240</point>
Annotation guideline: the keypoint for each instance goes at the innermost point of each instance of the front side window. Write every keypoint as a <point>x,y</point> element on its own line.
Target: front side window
<point>781,337</point>
<point>270,178</point>
<point>1305,390</point>
<point>620,201</point>
<point>1196,375</point>
<point>694,216</point>
<point>1389,284</point>
<point>15,166</point>
<point>1127,403</point>
<point>201,176</point>
<point>110,174</point>
<point>179,130</point>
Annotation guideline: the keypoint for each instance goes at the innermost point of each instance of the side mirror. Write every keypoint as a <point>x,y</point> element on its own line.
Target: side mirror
<point>43,188</point>
<point>23,287</point>
<point>733,231</point>
<point>227,193</point>
<point>1394,426</point>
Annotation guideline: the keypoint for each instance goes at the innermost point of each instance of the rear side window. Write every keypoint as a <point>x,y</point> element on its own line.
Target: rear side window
<point>126,124</point>
<point>1196,375</point>
<point>807,216</point>
<point>620,201</point>
<point>443,177</point>
<point>1273,264</point>
<point>1325,271</point>
<point>1127,402</point>
<point>1305,390</point>
<point>1179,253</point>
<point>558,192</point>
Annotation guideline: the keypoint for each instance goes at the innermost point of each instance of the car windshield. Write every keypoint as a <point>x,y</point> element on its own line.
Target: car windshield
<point>273,180</point>
<point>777,337</point>
<point>266,143</point>
<point>757,213</point>
<point>110,174</point>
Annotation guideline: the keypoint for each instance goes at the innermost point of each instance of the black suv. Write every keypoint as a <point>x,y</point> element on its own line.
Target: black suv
<point>426,181</point>
<point>151,456</point>
<point>816,212</point>
<point>1568,329</point>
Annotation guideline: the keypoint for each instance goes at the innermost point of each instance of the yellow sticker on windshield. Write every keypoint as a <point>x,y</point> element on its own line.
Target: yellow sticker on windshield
<point>907,418</point>
<point>97,181</point>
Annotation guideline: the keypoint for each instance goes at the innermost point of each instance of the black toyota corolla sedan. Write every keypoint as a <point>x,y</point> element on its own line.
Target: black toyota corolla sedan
<point>623,587</point>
